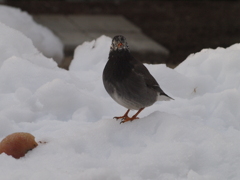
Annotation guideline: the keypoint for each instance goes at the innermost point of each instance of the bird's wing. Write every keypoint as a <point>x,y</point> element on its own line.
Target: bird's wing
<point>142,71</point>
<point>150,81</point>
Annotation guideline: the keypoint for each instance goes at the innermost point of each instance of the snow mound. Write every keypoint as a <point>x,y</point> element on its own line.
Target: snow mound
<point>196,136</point>
<point>213,70</point>
<point>43,39</point>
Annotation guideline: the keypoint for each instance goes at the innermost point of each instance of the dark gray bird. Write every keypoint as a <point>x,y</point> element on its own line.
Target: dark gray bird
<point>128,81</point>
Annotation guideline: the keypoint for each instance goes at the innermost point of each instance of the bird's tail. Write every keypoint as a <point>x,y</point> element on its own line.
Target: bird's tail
<point>164,97</point>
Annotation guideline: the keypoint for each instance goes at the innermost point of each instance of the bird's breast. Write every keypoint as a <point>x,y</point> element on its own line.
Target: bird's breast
<point>117,69</point>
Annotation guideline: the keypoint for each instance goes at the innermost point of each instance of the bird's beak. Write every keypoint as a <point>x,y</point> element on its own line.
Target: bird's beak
<point>119,45</point>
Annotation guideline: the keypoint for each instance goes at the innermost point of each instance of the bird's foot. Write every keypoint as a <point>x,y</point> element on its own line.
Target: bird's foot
<point>128,119</point>
<point>125,117</point>
<point>121,117</point>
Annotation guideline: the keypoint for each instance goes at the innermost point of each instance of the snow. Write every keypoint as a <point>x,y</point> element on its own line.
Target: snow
<point>43,39</point>
<point>194,137</point>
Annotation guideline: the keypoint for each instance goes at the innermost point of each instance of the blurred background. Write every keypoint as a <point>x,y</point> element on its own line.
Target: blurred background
<point>178,27</point>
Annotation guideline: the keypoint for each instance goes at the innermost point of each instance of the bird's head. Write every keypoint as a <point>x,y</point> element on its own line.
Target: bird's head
<point>119,43</point>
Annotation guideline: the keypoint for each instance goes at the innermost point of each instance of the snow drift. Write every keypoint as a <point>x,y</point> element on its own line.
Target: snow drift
<point>43,39</point>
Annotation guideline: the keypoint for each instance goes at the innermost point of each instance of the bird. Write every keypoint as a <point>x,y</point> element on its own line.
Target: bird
<point>128,81</point>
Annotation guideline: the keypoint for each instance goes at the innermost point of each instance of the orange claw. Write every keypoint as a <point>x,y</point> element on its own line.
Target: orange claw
<point>129,119</point>
<point>125,117</point>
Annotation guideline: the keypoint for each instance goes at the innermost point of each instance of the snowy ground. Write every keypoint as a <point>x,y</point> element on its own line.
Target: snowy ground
<point>194,137</point>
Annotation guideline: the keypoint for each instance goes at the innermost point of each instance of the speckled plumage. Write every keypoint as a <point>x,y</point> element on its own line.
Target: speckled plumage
<point>128,81</point>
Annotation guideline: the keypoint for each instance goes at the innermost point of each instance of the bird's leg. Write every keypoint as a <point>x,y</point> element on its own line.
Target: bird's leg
<point>132,118</point>
<point>124,116</point>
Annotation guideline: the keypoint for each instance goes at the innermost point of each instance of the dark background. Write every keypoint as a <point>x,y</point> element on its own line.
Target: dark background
<point>183,27</point>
